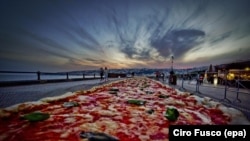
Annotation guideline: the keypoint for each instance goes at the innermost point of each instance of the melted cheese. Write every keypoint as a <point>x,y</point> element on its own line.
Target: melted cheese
<point>65,134</point>
<point>165,130</point>
<point>112,108</point>
<point>144,137</point>
<point>109,125</point>
<point>152,130</point>
<point>107,113</point>
<point>70,120</point>
<point>205,119</point>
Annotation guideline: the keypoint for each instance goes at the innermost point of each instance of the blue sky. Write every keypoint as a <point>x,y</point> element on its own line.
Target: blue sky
<point>67,35</point>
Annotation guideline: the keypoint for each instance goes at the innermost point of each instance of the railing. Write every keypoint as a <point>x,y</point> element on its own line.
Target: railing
<point>238,89</point>
<point>17,77</point>
<point>237,95</point>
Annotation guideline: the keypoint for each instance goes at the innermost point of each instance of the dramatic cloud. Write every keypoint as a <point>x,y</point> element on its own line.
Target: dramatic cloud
<point>78,35</point>
<point>178,42</point>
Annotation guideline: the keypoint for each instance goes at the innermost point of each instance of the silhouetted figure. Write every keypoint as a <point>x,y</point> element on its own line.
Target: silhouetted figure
<point>172,78</point>
<point>163,76</point>
<point>133,74</point>
<point>38,75</point>
<point>105,74</point>
<point>157,75</point>
<point>201,79</point>
<point>101,73</point>
<point>198,79</point>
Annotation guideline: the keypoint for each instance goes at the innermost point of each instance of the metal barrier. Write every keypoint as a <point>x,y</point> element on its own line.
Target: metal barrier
<point>226,89</point>
<point>15,78</point>
<point>24,78</point>
<point>39,74</point>
<point>232,96</point>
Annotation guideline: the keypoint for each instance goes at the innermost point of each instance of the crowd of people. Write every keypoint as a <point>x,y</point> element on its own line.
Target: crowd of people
<point>172,78</point>
<point>159,75</point>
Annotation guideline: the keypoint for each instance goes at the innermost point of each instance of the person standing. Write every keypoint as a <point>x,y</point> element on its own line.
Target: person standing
<point>133,74</point>
<point>157,75</point>
<point>106,74</point>
<point>198,79</point>
<point>163,76</point>
<point>101,73</point>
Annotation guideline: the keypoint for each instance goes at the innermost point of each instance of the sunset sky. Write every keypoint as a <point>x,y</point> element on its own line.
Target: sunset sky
<point>63,35</point>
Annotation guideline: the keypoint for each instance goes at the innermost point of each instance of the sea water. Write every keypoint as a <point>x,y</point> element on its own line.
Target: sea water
<point>33,76</point>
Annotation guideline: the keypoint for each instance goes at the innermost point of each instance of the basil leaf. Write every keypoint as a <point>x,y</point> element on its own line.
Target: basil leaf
<point>172,114</point>
<point>36,116</point>
<point>136,102</point>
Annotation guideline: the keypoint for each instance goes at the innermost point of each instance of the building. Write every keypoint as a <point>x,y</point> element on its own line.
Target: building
<point>235,72</point>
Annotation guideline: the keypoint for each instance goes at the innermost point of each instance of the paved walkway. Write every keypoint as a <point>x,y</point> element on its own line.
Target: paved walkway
<point>218,93</point>
<point>18,94</point>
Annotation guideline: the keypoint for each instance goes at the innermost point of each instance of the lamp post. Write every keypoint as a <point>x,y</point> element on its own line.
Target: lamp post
<point>172,61</point>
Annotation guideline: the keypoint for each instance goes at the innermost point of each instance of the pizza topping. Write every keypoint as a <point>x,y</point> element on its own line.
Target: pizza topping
<point>113,92</point>
<point>96,136</point>
<point>36,116</point>
<point>172,114</point>
<point>136,102</point>
<point>163,96</point>
<point>159,136</point>
<point>114,89</point>
<point>145,85</point>
<point>205,119</point>
<point>149,92</point>
<point>70,104</point>
<point>151,111</point>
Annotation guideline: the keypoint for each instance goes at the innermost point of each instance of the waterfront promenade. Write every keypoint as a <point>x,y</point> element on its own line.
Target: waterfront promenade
<point>217,93</point>
<point>17,94</point>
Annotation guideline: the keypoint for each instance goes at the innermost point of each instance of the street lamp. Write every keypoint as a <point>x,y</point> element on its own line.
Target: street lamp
<point>172,61</point>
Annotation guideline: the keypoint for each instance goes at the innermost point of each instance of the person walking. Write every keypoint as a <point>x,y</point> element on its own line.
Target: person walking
<point>101,74</point>
<point>106,74</point>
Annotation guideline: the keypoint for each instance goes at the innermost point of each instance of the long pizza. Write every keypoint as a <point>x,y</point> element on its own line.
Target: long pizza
<point>133,109</point>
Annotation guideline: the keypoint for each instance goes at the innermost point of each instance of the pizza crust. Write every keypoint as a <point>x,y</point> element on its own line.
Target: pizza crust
<point>8,111</point>
<point>55,98</point>
<point>237,117</point>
